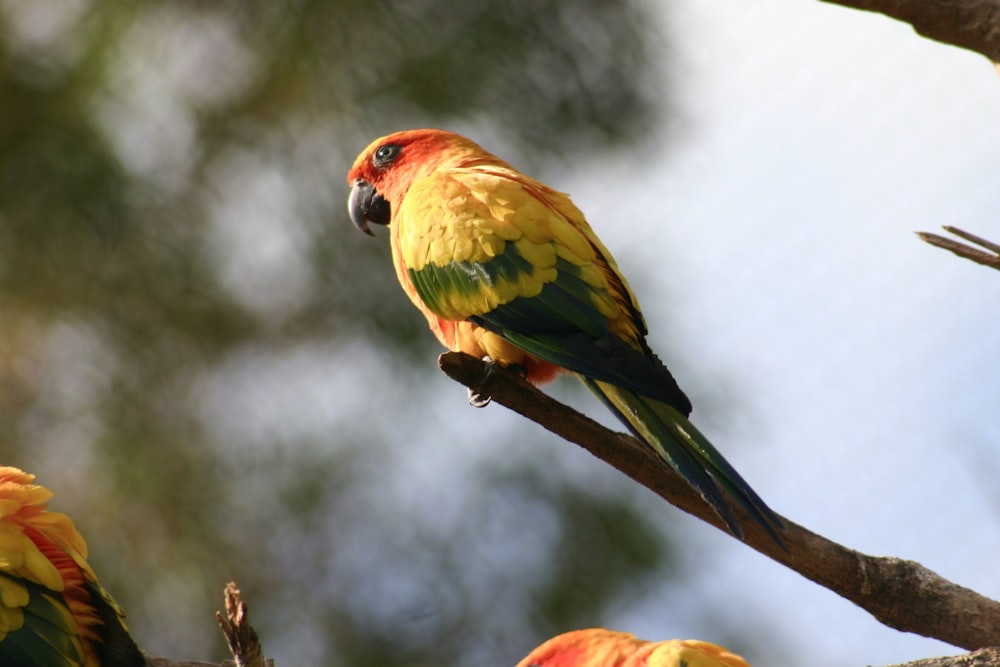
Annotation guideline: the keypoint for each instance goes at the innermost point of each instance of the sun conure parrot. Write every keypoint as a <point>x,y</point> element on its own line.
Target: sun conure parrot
<point>53,613</point>
<point>598,647</point>
<point>504,267</point>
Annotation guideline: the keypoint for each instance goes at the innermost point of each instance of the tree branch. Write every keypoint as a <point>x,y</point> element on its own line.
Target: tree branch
<point>902,594</point>
<point>167,662</point>
<point>991,258</point>
<point>969,24</point>
<point>987,657</point>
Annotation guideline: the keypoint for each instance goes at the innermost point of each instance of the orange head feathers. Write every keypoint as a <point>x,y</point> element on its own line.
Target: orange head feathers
<point>385,169</point>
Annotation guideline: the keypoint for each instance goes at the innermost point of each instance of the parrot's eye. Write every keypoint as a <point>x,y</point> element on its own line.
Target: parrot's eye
<point>385,154</point>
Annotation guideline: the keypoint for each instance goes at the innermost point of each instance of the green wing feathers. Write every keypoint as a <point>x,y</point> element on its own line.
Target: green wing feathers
<point>687,451</point>
<point>116,647</point>
<point>48,634</point>
<point>563,322</point>
<point>635,386</point>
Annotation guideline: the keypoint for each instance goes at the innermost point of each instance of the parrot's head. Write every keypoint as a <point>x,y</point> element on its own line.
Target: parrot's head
<point>385,169</point>
<point>586,648</point>
<point>598,647</point>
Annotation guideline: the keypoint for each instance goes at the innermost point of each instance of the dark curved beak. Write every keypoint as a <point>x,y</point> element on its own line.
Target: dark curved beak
<point>366,205</point>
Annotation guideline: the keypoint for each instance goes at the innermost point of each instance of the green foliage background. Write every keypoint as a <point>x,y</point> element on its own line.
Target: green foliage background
<point>220,378</point>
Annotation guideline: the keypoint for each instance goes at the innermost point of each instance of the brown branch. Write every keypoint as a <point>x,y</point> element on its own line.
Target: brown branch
<point>969,24</point>
<point>987,657</point>
<point>901,594</point>
<point>167,662</point>
<point>990,258</point>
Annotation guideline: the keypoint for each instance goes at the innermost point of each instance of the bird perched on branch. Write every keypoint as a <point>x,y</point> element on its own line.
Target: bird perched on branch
<point>53,613</point>
<point>504,267</point>
<point>598,647</point>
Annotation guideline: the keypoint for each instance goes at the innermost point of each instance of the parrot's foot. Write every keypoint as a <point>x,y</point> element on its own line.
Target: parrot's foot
<point>478,400</point>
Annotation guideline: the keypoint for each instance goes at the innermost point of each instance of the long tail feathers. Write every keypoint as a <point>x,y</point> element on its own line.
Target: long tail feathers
<point>690,453</point>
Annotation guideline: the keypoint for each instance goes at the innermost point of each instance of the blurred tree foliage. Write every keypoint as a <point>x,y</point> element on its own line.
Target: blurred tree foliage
<point>207,364</point>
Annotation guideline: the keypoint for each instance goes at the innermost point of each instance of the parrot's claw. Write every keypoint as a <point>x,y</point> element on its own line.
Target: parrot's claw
<point>476,399</point>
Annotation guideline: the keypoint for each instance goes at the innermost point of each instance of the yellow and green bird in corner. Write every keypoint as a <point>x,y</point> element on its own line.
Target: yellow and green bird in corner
<point>505,267</point>
<point>597,647</point>
<point>53,613</point>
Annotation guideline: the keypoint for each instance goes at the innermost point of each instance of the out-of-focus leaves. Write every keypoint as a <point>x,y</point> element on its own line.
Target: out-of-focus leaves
<point>200,356</point>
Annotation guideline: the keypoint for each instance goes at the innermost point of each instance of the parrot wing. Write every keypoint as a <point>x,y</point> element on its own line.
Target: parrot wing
<point>53,613</point>
<point>518,259</point>
<point>48,634</point>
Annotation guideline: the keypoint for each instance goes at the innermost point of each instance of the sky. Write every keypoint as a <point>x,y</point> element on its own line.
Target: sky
<point>813,142</point>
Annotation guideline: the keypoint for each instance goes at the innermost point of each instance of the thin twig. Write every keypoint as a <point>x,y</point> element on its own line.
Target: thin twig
<point>990,259</point>
<point>240,635</point>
